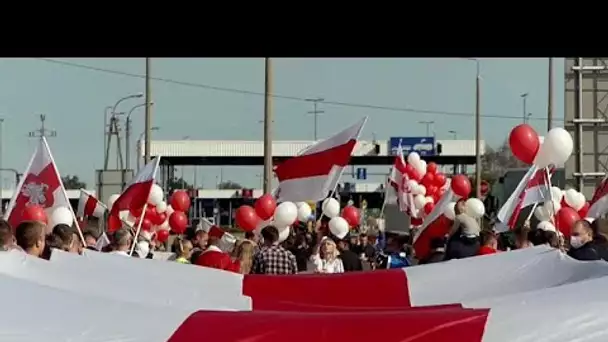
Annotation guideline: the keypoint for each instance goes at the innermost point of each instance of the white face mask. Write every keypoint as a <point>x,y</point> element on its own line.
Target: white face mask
<point>576,242</point>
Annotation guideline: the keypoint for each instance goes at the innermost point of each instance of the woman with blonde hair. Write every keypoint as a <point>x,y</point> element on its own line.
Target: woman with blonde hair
<point>325,257</point>
<point>243,256</point>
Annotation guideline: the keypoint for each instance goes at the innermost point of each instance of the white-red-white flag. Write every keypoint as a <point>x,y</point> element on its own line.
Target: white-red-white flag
<point>599,202</point>
<point>398,180</point>
<point>316,171</point>
<point>533,188</point>
<point>89,205</point>
<point>137,192</point>
<point>40,185</point>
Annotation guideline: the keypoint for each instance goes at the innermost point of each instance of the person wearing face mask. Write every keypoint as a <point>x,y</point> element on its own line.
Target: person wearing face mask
<point>581,242</point>
<point>467,243</point>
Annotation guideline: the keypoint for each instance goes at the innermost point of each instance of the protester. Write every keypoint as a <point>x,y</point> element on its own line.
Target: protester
<point>30,237</point>
<point>437,251</point>
<point>243,256</point>
<point>122,242</point>
<point>7,239</point>
<point>199,239</point>
<point>272,258</point>
<point>325,257</point>
<point>214,257</point>
<point>522,238</point>
<point>489,242</point>
<point>366,248</point>
<point>350,260</point>
<point>581,242</point>
<point>302,250</point>
<point>600,237</point>
<point>89,239</point>
<point>183,250</point>
<point>466,244</point>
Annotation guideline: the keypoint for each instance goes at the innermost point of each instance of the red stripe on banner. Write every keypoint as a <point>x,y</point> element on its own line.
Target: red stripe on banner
<point>315,164</point>
<point>465,325</point>
<point>90,205</point>
<point>381,288</point>
<point>437,229</point>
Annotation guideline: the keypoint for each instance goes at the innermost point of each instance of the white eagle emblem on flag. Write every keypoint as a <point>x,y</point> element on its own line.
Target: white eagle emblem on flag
<point>35,192</point>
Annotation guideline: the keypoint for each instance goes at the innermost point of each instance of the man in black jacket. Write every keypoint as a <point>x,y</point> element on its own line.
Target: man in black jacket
<point>581,242</point>
<point>467,243</point>
<point>350,259</point>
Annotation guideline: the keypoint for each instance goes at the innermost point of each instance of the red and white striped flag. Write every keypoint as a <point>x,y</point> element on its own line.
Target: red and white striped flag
<point>89,205</point>
<point>40,185</point>
<point>316,171</point>
<point>532,189</point>
<point>398,180</point>
<point>599,202</point>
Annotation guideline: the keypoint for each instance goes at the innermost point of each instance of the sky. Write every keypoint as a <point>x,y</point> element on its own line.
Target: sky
<point>73,99</point>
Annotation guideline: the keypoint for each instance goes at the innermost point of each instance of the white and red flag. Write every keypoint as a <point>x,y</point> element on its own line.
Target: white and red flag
<point>89,205</point>
<point>137,192</point>
<point>533,188</point>
<point>316,171</point>
<point>599,202</point>
<point>398,180</point>
<point>40,185</point>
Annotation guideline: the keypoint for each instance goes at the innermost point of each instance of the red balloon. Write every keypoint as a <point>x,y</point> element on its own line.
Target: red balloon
<point>565,219</point>
<point>162,235</point>
<point>146,224</point>
<point>409,170</point>
<point>178,221</point>
<point>34,213</point>
<point>431,167</point>
<point>428,208</point>
<point>461,185</point>
<point>431,190</point>
<point>180,201</point>
<point>428,179</point>
<point>246,218</point>
<point>524,143</point>
<point>351,215</point>
<point>158,218</point>
<point>584,210</point>
<point>416,221</point>
<point>265,206</point>
<point>436,196</point>
<point>440,179</point>
<point>114,223</point>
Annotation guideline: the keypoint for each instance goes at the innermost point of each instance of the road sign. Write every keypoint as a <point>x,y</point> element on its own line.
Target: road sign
<point>361,173</point>
<point>425,146</point>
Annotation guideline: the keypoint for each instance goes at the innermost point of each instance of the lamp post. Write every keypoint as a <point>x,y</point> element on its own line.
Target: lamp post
<point>454,134</point>
<point>128,133</point>
<point>112,112</point>
<point>139,141</point>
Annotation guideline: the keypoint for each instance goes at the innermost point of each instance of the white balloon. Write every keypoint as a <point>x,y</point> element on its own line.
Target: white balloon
<point>574,199</point>
<point>338,227</point>
<point>156,195</point>
<point>420,190</point>
<point>412,186</point>
<point>556,193</point>
<point>474,207</point>
<point>556,148</point>
<point>112,199</point>
<point>161,207</point>
<point>61,215</point>
<point>283,233</point>
<point>420,167</point>
<point>304,211</point>
<point>419,201</point>
<point>552,207</point>
<point>589,219</point>
<point>146,235</point>
<point>450,211</point>
<point>546,226</point>
<point>285,214</point>
<point>429,199</point>
<point>541,214</point>
<point>413,158</point>
<point>164,225</point>
<point>299,204</point>
<point>169,210</point>
<point>331,207</point>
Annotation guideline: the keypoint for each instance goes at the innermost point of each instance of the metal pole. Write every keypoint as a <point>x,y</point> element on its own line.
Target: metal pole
<point>579,126</point>
<point>478,132</point>
<point>524,99</point>
<point>268,125</point>
<point>128,141</point>
<point>315,112</point>
<point>550,96</point>
<point>148,121</point>
<point>138,154</point>
<point>1,166</point>
<point>105,132</point>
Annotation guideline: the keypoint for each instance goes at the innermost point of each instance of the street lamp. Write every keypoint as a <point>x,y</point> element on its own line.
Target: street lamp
<point>454,133</point>
<point>112,111</point>
<point>141,136</point>
<point>128,133</point>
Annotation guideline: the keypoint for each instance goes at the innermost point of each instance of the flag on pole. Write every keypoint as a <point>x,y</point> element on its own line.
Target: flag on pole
<point>40,185</point>
<point>398,179</point>
<point>89,205</point>
<point>599,202</point>
<point>317,170</point>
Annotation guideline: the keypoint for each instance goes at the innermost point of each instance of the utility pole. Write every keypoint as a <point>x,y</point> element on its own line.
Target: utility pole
<point>524,114</point>
<point>268,119</point>
<point>315,113</point>
<point>428,126</point>
<point>478,131</point>
<point>148,119</point>
<point>114,130</point>
<point>42,131</point>
<point>550,96</point>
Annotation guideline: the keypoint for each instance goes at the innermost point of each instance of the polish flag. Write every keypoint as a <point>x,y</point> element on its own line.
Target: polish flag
<point>316,171</point>
<point>532,189</point>
<point>599,202</point>
<point>40,185</point>
<point>88,205</point>
<point>137,192</point>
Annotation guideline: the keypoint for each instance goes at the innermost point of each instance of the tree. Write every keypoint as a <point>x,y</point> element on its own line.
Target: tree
<point>495,163</point>
<point>179,183</point>
<point>73,183</point>
<point>229,185</point>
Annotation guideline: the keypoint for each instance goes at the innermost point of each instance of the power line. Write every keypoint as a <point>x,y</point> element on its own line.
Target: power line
<point>278,96</point>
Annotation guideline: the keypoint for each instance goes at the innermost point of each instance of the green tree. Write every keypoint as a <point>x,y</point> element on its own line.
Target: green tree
<point>179,183</point>
<point>73,182</point>
<point>229,185</point>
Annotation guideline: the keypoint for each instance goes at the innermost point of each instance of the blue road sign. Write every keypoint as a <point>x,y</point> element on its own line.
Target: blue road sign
<point>361,173</point>
<point>425,146</point>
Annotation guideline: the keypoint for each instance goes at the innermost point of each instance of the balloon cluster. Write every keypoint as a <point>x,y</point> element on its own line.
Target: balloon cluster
<point>159,217</point>
<point>340,223</point>
<point>425,183</point>
<point>565,208</point>
<point>60,215</point>
<point>526,146</point>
